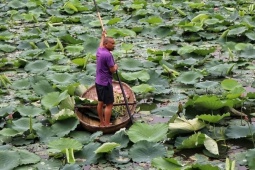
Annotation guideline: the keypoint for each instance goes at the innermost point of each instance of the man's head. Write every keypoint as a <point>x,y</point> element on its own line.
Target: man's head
<point>109,43</point>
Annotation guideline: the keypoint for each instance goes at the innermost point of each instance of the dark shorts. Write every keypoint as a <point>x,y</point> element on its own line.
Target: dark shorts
<point>105,93</point>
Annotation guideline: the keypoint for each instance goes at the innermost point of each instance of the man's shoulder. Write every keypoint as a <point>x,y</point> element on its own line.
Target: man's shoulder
<point>103,52</point>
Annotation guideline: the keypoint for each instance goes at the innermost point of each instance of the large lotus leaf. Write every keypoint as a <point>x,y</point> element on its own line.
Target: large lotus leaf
<point>237,31</point>
<point>211,145</point>
<point>9,132</point>
<point>204,166</point>
<point>4,111</point>
<point>130,64</point>
<point>186,49</point>
<point>69,39</point>
<point>21,84</point>
<point>211,102</point>
<point>88,153</point>
<point>190,77</point>
<point>121,32</point>
<point>16,4</point>
<point>142,75</point>
<point>75,49</point>
<point>187,62</point>
<point>206,84</point>
<point>61,78</point>
<point>248,53</point>
<point>38,66</point>
<point>27,157</point>
<point>114,21</point>
<point>53,99</point>
<point>29,111</point>
<point>221,69</point>
<point>7,48</point>
<point>71,167</point>
<point>154,20</point>
<point>160,89</point>
<point>65,143</point>
<point>194,141</point>
<point>67,103</point>
<point>235,93</point>
<point>9,160</point>
<point>250,158</point>
<point>145,151</point>
<point>213,118</point>
<point>63,114</point>
<point>42,87</point>
<point>212,21</point>
<point>90,70</point>
<point>45,133</point>
<point>121,138</point>
<point>49,164</point>
<point>166,163</point>
<point>151,133</point>
<point>91,44</point>
<point>204,50</point>
<point>118,156</point>
<point>230,84</point>
<point>165,110</point>
<point>184,125</point>
<point>81,136</point>
<point>143,88</point>
<point>235,132</point>
<point>250,35</point>
<point>64,127</point>
<point>22,124</point>
<point>156,79</point>
<point>107,147</point>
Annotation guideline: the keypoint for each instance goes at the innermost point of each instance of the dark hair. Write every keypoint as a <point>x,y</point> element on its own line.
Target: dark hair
<point>106,40</point>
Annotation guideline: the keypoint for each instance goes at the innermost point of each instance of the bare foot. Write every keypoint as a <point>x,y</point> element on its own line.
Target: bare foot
<point>110,124</point>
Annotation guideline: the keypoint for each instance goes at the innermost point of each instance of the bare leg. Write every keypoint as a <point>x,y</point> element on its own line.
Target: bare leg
<point>108,113</point>
<point>100,112</point>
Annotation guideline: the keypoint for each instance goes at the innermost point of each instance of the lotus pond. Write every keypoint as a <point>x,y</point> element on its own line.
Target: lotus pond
<point>190,64</point>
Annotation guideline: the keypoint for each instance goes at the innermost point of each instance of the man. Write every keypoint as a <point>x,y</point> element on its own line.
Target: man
<point>104,70</point>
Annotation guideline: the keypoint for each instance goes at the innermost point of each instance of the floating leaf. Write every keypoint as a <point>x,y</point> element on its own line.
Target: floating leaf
<point>235,132</point>
<point>7,48</point>
<point>230,84</point>
<point>237,31</point>
<point>190,77</point>
<point>64,143</point>
<point>141,75</point>
<point>29,111</point>
<point>213,118</point>
<point>183,125</point>
<point>27,157</point>
<point>151,133</point>
<point>165,163</point>
<point>143,88</point>
<point>64,114</point>
<point>107,147</point>
<point>9,160</point>
<point>145,151</point>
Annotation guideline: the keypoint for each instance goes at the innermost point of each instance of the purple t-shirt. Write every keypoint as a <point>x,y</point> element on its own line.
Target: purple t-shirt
<point>104,62</point>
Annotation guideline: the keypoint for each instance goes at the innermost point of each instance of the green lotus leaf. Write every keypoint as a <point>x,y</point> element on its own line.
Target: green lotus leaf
<point>65,143</point>
<point>121,138</point>
<point>53,99</point>
<point>206,84</point>
<point>200,18</point>
<point>29,111</point>
<point>221,69</point>
<point>190,77</point>
<point>236,132</point>
<point>114,21</point>
<point>121,32</point>
<point>69,39</point>
<point>67,103</point>
<point>237,31</point>
<point>81,136</point>
<point>130,64</point>
<point>242,46</point>
<point>165,110</point>
<point>145,151</point>
<point>212,21</point>
<point>211,102</point>
<point>61,78</point>
<point>49,164</point>
<point>230,84</point>
<point>27,157</point>
<point>37,66</point>
<point>160,89</point>
<point>4,111</point>
<point>213,118</point>
<point>54,57</point>
<point>9,159</point>
<point>22,124</point>
<point>9,132</point>
<point>107,147</point>
<point>248,53</point>
<point>165,163</point>
<point>16,4</point>
<point>63,114</point>
<point>250,35</point>
<point>186,49</point>
<point>91,44</point>
<point>79,61</point>
<point>187,62</point>
<point>211,145</point>
<point>154,20</point>
<point>119,157</point>
<point>194,141</point>
<point>204,50</point>
<point>71,167</point>
<point>88,153</point>
<point>131,76</point>
<point>235,93</point>
<point>151,133</point>
<point>74,49</point>
<point>250,158</point>
<point>42,87</point>
<point>6,35</point>
<point>126,46</point>
<point>183,125</point>
<point>250,95</point>
<point>156,79</point>
<point>205,166</point>
<point>143,88</point>
<point>21,84</point>
<point>44,133</point>
<point>7,48</point>
<point>64,127</point>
